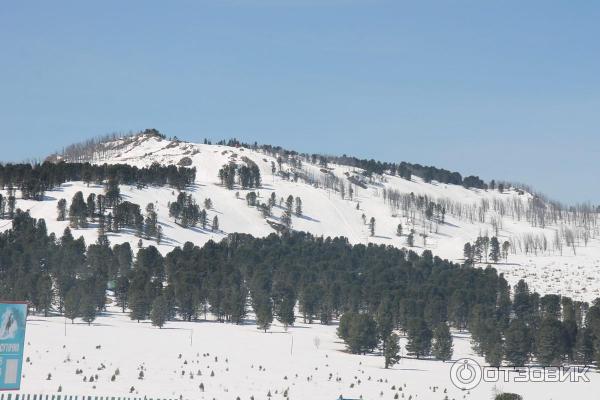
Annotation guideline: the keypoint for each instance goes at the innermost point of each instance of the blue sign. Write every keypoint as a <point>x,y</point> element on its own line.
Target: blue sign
<point>13,317</point>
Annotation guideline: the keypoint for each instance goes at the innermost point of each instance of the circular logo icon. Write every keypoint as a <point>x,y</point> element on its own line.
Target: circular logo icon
<point>465,374</point>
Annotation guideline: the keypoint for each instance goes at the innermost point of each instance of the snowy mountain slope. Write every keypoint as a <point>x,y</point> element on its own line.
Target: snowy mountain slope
<point>470,212</point>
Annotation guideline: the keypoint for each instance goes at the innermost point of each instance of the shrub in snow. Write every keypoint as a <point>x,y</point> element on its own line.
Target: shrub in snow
<point>508,396</point>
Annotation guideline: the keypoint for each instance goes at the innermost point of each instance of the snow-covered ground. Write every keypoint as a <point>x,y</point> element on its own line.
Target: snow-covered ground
<point>308,361</point>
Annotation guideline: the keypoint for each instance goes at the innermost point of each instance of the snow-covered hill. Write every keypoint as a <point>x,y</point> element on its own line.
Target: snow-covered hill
<point>535,252</point>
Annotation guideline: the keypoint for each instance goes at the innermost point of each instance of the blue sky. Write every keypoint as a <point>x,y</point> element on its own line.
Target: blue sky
<point>505,90</point>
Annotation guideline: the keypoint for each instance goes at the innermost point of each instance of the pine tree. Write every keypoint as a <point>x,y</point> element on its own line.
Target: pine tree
<point>410,239</point>
<point>359,331</point>
<point>251,199</point>
<point>45,293</point>
<point>215,224</point>
<point>159,312</point>
<point>121,292</point>
<point>88,307</point>
<point>419,338</point>
<point>494,249</point>
<point>399,230</point>
<point>391,351</point>
<point>112,192</point>
<point>584,346</point>
<point>549,343</point>
<point>284,306</point>
<point>61,207</point>
<point>263,309</point>
<point>138,305</point>
<point>494,353</point>
<point>298,206</point>
<point>159,234</point>
<point>385,322</point>
<point>442,348</point>
<point>363,334</point>
<point>289,203</point>
<point>11,205</point>
<point>505,248</point>
<point>91,206</point>
<point>468,253</point>
<point>286,219</point>
<point>150,222</point>
<point>72,304</point>
<point>517,343</point>
<point>78,211</point>
<point>372,226</point>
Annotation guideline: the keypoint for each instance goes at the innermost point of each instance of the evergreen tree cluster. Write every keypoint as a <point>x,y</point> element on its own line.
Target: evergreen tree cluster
<point>403,169</point>
<point>186,211</point>
<point>248,175</point>
<point>484,249</point>
<point>8,204</point>
<point>33,180</point>
<point>376,290</point>
<point>123,215</point>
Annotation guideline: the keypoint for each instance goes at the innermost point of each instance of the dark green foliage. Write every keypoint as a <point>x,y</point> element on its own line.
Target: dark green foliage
<point>34,180</point>
<point>150,222</point>
<point>248,174</point>
<point>494,249</point>
<point>284,300</point>
<point>419,338</point>
<point>121,292</point>
<point>410,239</point>
<point>508,396</point>
<point>517,344</point>
<point>584,347</point>
<point>88,307</point>
<point>550,346</point>
<point>160,311</point>
<point>227,175</point>
<point>127,215</point>
<point>298,210</point>
<point>325,277</point>
<point>185,211</point>
<point>359,331</point>
<point>78,211</point>
<point>251,199</point>
<point>391,352</point>
<point>72,304</point>
<point>61,208</point>
<point>139,305</point>
<point>442,348</point>
<point>286,219</point>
